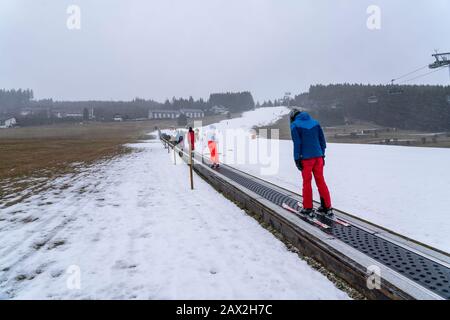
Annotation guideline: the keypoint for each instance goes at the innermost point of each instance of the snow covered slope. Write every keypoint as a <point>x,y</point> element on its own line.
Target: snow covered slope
<point>405,189</point>
<point>134,229</point>
<point>255,118</point>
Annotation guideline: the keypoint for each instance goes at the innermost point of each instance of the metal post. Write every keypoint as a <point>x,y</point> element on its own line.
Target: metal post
<point>191,165</point>
<point>174,156</point>
<point>287,96</point>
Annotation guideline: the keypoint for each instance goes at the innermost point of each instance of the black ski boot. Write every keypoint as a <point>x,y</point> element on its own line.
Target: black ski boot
<point>307,212</point>
<point>322,207</point>
<point>327,212</point>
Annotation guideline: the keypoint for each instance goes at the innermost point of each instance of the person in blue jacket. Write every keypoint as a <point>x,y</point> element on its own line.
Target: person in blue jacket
<point>309,155</point>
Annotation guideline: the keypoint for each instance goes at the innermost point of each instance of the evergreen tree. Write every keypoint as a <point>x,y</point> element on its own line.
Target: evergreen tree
<point>85,114</point>
<point>182,120</point>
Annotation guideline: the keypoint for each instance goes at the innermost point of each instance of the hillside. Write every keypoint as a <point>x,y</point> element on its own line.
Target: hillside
<point>425,108</point>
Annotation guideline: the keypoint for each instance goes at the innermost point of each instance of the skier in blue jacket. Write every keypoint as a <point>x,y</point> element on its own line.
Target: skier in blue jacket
<point>309,155</point>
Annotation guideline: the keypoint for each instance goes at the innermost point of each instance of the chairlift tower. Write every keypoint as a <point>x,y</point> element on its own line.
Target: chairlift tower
<point>442,60</point>
<point>287,96</point>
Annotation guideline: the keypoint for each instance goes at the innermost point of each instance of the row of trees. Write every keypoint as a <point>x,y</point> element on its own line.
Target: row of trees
<point>415,107</point>
<point>20,103</point>
<point>408,107</point>
<point>11,100</point>
<point>235,102</point>
<point>181,103</point>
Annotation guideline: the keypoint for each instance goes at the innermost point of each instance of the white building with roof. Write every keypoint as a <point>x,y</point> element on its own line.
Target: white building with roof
<point>174,114</point>
<point>163,114</point>
<point>8,122</point>
<point>193,113</point>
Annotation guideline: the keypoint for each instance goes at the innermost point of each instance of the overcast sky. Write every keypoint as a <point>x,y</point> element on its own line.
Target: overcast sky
<point>164,48</point>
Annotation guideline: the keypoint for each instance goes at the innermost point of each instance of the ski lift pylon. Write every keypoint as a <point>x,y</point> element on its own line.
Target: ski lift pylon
<point>442,60</point>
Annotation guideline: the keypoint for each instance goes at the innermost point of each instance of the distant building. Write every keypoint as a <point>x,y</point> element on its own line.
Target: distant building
<point>35,111</point>
<point>163,114</point>
<point>219,110</point>
<point>174,114</point>
<point>59,114</point>
<point>26,112</point>
<point>73,115</point>
<point>91,114</point>
<point>62,113</point>
<point>118,118</point>
<point>7,122</point>
<point>193,113</point>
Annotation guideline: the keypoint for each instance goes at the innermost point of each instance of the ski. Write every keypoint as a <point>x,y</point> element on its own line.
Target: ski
<point>304,217</point>
<point>334,218</point>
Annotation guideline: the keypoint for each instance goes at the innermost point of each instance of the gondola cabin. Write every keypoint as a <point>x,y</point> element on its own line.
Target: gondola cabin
<point>372,99</point>
<point>395,90</point>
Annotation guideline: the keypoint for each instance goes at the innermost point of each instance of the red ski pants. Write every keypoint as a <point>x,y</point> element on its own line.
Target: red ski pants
<point>310,167</point>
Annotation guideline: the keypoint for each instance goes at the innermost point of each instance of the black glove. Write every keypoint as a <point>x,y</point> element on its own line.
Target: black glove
<point>298,163</point>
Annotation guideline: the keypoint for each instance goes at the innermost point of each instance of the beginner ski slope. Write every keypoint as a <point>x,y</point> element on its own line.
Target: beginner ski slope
<point>134,230</point>
<point>405,189</point>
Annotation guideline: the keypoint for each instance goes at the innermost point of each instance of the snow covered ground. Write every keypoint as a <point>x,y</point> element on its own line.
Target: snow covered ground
<point>132,228</point>
<point>405,189</point>
<point>256,118</point>
<point>401,188</point>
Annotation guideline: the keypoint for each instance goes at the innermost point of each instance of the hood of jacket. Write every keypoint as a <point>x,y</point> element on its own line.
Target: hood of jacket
<point>304,120</point>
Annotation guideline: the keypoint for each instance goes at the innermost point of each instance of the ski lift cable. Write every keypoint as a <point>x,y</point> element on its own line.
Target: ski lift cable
<point>409,73</point>
<point>423,75</point>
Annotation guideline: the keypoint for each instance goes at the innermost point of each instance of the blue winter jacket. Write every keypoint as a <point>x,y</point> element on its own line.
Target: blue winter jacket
<point>308,137</point>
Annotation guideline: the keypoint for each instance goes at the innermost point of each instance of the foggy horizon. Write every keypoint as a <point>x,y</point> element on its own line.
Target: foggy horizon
<point>163,49</point>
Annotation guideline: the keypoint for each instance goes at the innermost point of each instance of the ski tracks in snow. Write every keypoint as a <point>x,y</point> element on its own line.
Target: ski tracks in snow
<point>136,231</point>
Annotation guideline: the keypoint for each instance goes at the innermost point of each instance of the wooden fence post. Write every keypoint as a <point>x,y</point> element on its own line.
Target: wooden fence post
<point>174,156</point>
<point>191,167</point>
